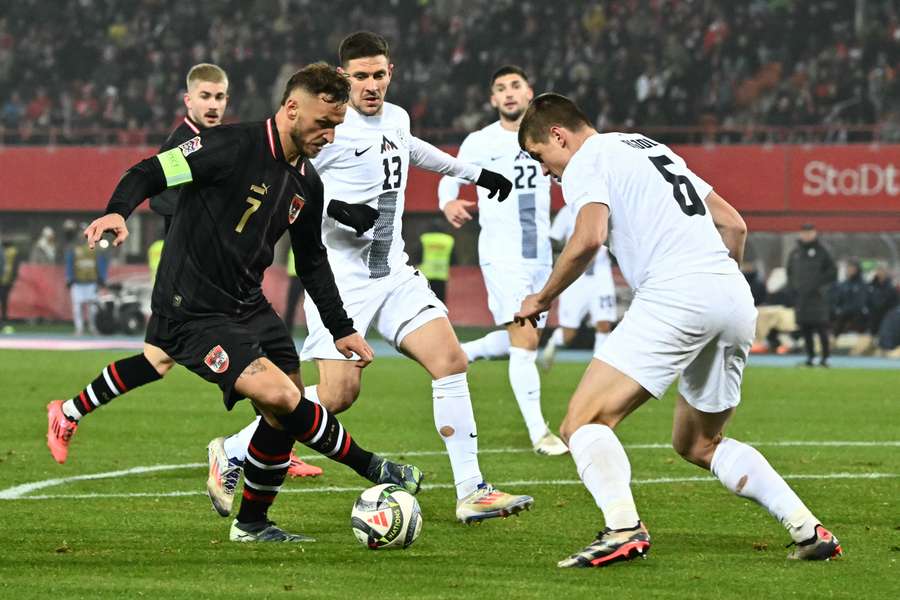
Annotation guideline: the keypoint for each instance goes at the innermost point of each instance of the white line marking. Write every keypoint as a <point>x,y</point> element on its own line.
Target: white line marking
<point>19,491</point>
<point>443,486</point>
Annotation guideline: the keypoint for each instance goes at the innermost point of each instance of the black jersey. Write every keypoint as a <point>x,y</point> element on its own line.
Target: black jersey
<point>239,195</point>
<point>164,202</point>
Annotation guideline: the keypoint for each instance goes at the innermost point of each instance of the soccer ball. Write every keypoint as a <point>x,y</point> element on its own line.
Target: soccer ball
<point>386,516</point>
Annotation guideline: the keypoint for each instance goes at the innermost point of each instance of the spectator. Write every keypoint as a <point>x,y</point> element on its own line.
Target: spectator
<point>889,334</point>
<point>85,272</point>
<point>757,285</point>
<point>810,271</point>
<point>9,272</point>
<point>850,301</point>
<point>776,316</point>
<point>44,250</point>
<point>882,297</point>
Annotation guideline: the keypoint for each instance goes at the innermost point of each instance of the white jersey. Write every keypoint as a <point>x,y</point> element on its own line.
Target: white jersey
<point>562,229</point>
<point>659,225</point>
<point>517,229</point>
<point>368,163</point>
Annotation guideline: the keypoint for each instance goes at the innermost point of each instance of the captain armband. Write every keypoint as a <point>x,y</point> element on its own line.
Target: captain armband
<point>175,167</point>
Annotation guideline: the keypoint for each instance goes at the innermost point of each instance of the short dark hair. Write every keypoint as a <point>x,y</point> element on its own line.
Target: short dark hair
<point>508,70</point>
<point>547,110</point>
<point>362,44</point>
<point>319,78</point>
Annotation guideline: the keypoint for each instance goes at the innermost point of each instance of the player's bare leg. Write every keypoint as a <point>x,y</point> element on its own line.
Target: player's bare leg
<point>288,416</point>
<point>698,437</point>
<point>117,378</point>
<point>603,398</point>
<point>526,385</point>
<point>434,345</point>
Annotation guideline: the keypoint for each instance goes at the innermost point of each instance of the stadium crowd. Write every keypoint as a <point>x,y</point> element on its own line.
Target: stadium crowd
<point>102,71</point>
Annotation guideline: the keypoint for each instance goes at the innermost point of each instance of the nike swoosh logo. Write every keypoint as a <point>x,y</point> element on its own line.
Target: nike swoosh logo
<point>473,435</point>
<point>496,158</point>
<point>358,153</point>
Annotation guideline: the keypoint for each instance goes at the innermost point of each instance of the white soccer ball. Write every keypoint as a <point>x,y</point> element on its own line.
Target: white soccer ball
<point>386,516</point>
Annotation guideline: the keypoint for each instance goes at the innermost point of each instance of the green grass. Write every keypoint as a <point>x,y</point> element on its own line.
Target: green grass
<point>706,542</point>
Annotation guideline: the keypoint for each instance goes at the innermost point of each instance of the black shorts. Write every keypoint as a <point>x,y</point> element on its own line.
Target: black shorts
<point>218,349</point>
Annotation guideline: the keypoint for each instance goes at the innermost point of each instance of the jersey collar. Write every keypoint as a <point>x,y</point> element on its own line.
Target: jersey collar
<point>193,126</point>
<point>273,141</point>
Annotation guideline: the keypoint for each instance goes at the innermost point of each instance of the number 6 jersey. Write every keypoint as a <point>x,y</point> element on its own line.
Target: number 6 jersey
<point>659,226</point>
<point>368,163</point>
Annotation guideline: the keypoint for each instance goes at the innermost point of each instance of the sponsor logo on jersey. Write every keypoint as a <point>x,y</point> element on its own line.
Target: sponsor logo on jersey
<point>190,146</point>
<point>361,152</point>
<point>217,360</point>
<point>522,155</point>
<point>387,145</point>
<point>296,206</point>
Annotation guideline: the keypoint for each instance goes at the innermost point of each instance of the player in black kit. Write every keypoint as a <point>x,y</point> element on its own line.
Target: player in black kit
<point>244,185</point>
<point>205,100</point>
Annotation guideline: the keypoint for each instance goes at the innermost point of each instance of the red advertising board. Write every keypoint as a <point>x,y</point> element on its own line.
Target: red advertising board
<point>851,187</point>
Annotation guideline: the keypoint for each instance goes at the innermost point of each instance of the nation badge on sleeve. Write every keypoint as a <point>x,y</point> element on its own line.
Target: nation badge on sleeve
<point>217,360</point>
<point>296,206</point>
<point>190,146</point>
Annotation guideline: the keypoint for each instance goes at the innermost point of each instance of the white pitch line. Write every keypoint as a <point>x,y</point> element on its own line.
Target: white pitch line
<point>21,490</point>
<point>443,486</point>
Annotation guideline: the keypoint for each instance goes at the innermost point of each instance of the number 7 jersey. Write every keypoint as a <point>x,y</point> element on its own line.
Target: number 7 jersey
<point>659,225</point>
<point>368,163</point>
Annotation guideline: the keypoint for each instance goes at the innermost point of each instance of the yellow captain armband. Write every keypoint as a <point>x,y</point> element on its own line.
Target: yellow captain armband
<point>175,167</point>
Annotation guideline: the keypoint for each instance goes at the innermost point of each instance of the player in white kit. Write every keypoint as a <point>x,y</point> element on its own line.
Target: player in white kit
<point>513,246</point>
<point>367,164</point>
<point>593,294</point>
<point>678,244</point>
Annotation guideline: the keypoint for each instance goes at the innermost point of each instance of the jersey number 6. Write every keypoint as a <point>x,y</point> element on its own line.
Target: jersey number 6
<point>691,206</point>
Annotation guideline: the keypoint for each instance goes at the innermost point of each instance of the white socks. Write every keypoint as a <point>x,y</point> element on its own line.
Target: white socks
<point>599,338</point>
<point>311,393</point>
<point>526,385</point>
<point>70,410</point>
<point>493,345</point>
<point>606,472</point>
<point>557,338</point>
<point>236,445</point>
<point>455,422</point>
<point>746,472</point>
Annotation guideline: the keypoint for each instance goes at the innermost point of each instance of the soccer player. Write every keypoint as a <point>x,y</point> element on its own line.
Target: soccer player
<point>205,100</point>
<point>593,294</point>
<point>244,186</point>
<point>513,245</point>
<point>367,165</point>
<point>678,244</point>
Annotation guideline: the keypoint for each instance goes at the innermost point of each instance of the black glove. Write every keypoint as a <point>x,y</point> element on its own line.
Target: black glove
<point>496,183</point>
<point>359,217</point>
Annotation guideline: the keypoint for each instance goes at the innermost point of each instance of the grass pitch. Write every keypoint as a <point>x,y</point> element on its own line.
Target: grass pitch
<point>153,533</point>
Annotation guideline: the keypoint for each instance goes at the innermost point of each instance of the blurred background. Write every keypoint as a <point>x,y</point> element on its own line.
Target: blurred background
<point>790,108</point>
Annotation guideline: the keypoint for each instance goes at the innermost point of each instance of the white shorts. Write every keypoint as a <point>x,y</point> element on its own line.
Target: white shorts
<point>398,304</point>
<point>593,295</point>
<point>507,285</point>
<point>699,327</point>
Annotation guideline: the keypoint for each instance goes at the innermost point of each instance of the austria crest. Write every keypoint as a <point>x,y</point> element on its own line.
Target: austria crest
<point>296,206</point>
<point>217,360</point>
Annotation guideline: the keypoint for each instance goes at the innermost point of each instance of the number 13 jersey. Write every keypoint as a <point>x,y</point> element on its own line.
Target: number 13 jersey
<point>368,163</point>
<point>659,225</point>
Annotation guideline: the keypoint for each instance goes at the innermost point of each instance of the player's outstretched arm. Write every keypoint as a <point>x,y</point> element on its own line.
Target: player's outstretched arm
<point>730,224</point>
<point>359,217</point>
<point>589,234</point>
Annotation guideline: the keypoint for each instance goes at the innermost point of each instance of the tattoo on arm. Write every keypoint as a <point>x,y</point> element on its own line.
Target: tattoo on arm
<point>257,366</point>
